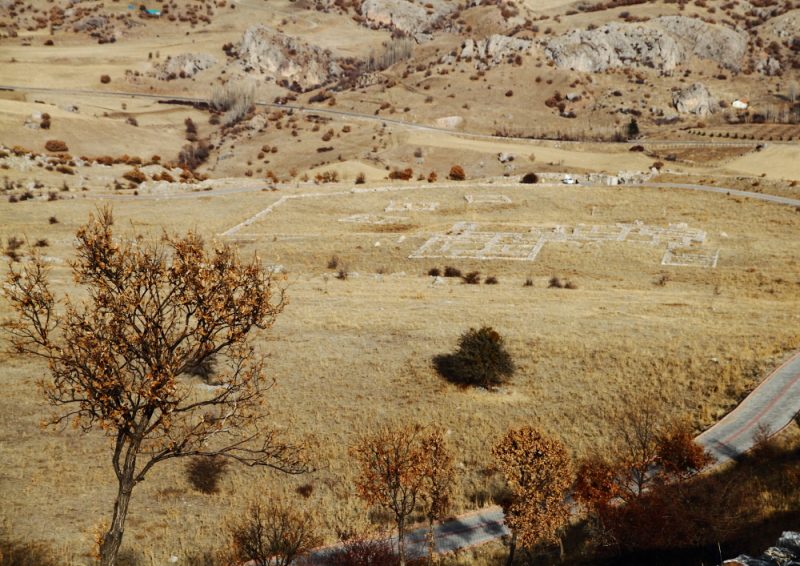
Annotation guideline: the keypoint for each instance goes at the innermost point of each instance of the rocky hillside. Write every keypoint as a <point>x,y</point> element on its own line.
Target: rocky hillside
<point>415,19</point>
<point>289,61</point>
<point>663,43</point>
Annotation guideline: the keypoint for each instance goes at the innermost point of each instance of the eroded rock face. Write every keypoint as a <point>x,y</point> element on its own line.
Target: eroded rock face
<point>785,552</point>
<point>693,100</point>
<point>663,44</point>
<point>494,49</point>
<point>707,41</point>
<point>187,65</point>
<point>90,23</point>
<point>287,60</point>
<point>615,45</point>
<point>403,15</point>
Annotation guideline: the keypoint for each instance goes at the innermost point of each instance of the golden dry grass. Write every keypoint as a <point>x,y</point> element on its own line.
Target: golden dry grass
<point>348,354</point>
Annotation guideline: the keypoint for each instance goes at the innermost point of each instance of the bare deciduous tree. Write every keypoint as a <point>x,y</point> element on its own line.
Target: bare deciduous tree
<point>273,534</point>
<point>117,357</point>
<point>538,472</point>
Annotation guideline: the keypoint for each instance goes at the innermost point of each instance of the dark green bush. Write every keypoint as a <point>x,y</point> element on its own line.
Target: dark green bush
<point>481,359</point>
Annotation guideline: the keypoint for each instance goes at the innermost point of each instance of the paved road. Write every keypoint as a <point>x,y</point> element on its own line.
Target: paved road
<point>380,119</point>
<point>773,404</point>
<point>770,407</point>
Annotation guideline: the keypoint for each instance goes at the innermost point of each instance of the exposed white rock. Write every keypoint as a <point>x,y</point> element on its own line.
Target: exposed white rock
<point>450,122</point>
<point>186,65</point>
<point>409,17</point>
<point>494,49</point>
<point>287,60</point>
<point>693,100</point>
<point>663,44</point>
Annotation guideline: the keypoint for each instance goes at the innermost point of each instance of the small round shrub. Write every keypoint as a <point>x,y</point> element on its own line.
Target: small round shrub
<point>457,173</point>
<point>135,176</point>
<point>434,272</point>
<point>105,79</point>
<point>56,146</point>
<point>472,278</point>
<point>481,360</point>
<point>450,271</point>
<point>204,473</point>
<point>491,280</point>
<point>530,179</point>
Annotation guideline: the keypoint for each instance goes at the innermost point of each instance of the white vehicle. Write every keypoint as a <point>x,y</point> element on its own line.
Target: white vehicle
<point>569,180</point>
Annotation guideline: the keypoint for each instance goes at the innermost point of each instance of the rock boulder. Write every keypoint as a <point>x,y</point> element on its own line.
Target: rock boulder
<point>402,15</point>
<point>186,65</point>
<point>693,100</point>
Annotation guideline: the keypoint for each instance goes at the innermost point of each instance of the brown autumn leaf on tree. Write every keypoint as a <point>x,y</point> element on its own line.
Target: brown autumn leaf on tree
<point>538,472</point>
<point>679,456</point>
<point>633,490</point>
<point>440,477</point>
<point>402,467</point>
<point>118,358</point>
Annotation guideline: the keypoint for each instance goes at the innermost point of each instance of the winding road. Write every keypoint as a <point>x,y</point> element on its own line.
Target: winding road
<point>769,408</point>
<point>375,118</point>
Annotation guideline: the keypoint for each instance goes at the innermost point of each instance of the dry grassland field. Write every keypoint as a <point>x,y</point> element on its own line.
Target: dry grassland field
<point>347,354</point>
<point>685,297</point>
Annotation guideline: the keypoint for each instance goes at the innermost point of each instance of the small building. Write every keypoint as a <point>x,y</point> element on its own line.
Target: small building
<point>741,104</point>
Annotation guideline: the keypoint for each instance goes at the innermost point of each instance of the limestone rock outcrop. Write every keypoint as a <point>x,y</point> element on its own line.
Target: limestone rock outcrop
<point>494,49</point>
<point>662,43</point>
<point>409,17</point>
<point>695,99</point>
<point>186,65</point>
<point>290,61</point>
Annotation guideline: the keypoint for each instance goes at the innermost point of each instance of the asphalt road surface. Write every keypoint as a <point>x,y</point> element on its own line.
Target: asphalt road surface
<point>768,409</point>
<point>771,407</point>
